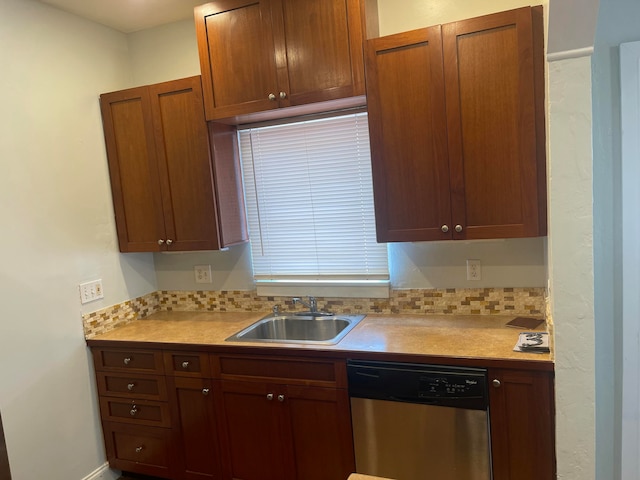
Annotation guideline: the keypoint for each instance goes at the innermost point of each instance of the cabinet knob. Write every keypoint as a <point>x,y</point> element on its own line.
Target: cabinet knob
<point>205,391</point>
<point>272,97</point>
<point>458,228</point>
<point>169,241</point>
<point>185,365</point>
<point>283,95</point>
<point>130,386</point>
<point>127,360</point>
<point>139,449</point>
<point>160,241</point>
<point>269,396</point>
<point>444,228</point>
<point>496,383</point>
<point>133,411</point>
<point>281,398</point>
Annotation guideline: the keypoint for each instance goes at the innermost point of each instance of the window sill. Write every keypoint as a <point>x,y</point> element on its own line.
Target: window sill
<point>320,288</point>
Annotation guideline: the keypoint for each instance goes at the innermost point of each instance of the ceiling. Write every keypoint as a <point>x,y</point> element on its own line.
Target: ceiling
<point>129,15</point>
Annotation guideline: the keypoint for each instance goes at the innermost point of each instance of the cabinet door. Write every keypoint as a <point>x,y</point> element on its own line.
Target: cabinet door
<point>133,168</point>
<point>522,426</point>
<point>252,431</point>
<point>321,443</point>
<point>495,117</point>
<point>182,146</point>
<point>321,51</point>
<point>405,92</point>
<point>237,57</point>
<point>193,414</point>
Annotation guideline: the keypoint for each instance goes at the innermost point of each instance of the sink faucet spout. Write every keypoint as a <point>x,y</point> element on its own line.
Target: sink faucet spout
<point>312,305</point>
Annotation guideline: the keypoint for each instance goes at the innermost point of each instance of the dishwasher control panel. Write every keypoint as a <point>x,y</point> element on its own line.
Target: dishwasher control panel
<point>443,385</point>
<point>416,383</point>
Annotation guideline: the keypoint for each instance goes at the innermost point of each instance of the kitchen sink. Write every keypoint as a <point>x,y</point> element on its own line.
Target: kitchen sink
<point>298,328</point>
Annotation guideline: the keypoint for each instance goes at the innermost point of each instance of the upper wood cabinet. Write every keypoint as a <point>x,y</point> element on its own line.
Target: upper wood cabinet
<point>456,115</point>
<point>258,55</point>
<point>175,180</point>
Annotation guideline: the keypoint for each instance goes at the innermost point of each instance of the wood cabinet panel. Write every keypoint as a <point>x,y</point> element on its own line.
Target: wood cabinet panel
<point>187,364</point>
<point>472,166</point>
<point>139,412</point>
<point>194,418</point>
<point>236,47</point>
<point>320,424</point>
<point>405,85</point>
<point>522,424</point>
<point>139,449</point>
<point>128,360</point>
<point>135,184</point>
<point>149,387</point>
<point>161,160</point>
<point>491,111</point>
<point>268,54</point>
<point>316,372</point>
<point>252,432</point>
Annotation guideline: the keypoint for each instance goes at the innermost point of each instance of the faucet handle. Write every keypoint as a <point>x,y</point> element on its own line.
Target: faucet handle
<point>276,309</point>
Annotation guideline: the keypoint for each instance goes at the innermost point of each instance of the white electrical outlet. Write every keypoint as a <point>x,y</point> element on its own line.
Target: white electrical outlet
<point>202,273</point>
<point>474,270</point>
<point>91,291</point>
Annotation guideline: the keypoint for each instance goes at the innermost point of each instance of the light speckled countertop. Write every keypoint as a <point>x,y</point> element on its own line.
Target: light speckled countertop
<point>473,336</point>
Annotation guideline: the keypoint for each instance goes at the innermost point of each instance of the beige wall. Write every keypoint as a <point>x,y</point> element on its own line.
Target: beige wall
<point>57,231</point>
<point>399,16</point>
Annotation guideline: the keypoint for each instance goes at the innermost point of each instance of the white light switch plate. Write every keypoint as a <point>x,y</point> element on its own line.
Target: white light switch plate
<point>202,273</point>
<point>91,291</point>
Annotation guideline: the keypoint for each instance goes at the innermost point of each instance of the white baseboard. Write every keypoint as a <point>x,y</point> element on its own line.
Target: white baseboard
<point>103,473</point>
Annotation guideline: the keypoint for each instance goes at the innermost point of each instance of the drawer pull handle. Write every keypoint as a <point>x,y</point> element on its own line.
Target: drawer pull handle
<point>205,391</point>
<point>139,449</point>
<point>496,383</point>
<point>134,411</point>
<point>185,365</point>
<point>130,386</point>
<point>127,360</point>
<point>269,396</point>
<point>281,398</point>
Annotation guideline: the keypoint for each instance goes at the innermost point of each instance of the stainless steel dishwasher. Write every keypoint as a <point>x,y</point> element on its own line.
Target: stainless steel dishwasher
<point>420,422</point>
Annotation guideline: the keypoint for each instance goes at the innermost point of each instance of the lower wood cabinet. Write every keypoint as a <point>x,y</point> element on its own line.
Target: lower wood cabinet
<point>195,425</point>
<point>195,415</point>
<point>279,431</point>
<point>522,424</point>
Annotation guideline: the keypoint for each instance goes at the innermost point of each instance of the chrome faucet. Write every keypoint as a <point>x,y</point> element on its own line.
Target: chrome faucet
<point>312,305</point>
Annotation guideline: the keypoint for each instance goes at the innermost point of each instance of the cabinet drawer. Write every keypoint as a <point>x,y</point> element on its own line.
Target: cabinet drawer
<point>146,387</point>
<point>127,360</point>
<point>139,449</point>
<point>187,364</point>
<point>137,412</point>
<point>322,372</point>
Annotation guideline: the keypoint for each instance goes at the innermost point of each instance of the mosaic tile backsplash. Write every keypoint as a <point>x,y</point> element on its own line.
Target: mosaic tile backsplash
<point>450,301</point>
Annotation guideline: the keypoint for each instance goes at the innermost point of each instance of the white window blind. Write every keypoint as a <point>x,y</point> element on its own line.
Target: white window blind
<point>310,201</point>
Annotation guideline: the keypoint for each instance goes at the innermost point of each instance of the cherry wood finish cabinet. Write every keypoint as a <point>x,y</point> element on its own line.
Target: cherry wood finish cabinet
<point>186,415</point>
<point>194,415</point>
<point>258,55</point>
<point>522,424</point>
<point>285,418</point>
<point>175,180</point>
<point>135,410</point>
<point>456,116</point>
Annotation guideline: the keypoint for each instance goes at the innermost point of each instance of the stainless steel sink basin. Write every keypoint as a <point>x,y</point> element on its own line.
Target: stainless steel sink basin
<point>296,328</point>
